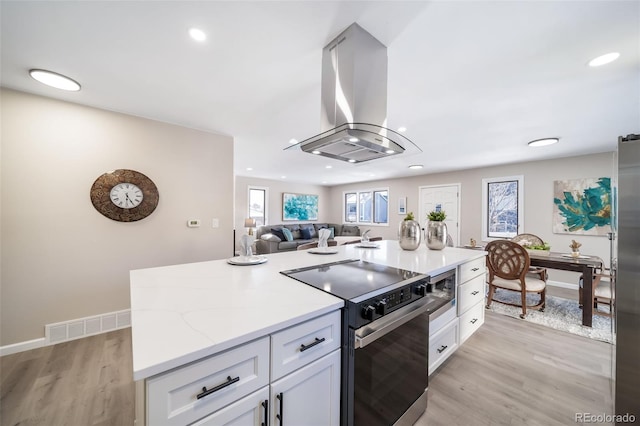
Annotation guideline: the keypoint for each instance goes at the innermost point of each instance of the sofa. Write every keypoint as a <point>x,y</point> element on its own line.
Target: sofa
<point>272,238</point>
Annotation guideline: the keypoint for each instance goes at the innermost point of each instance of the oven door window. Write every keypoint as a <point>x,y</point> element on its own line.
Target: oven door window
<point>391,373</point>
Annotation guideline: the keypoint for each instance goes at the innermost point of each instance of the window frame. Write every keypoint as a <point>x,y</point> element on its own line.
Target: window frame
<point>485,204</point>
<point>266,202</point>
<point>358,212</point>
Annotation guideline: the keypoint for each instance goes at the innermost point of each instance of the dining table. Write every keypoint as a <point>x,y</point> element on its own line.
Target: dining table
<point>566,262</point>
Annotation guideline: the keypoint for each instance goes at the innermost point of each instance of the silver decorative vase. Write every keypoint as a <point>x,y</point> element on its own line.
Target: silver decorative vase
<point>409,235</point>
<point>436,235</point>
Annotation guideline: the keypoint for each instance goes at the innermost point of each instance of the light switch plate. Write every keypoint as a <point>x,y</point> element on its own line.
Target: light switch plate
<point>215,223</point>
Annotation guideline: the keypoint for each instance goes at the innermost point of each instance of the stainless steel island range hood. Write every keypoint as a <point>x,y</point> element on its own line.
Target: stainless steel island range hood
<point>354,101</point>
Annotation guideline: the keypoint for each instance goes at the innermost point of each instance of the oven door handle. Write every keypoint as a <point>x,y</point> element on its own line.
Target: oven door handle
<point>401,317</point>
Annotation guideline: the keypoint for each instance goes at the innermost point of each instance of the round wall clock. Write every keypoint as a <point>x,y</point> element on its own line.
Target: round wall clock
<point>124,195</point>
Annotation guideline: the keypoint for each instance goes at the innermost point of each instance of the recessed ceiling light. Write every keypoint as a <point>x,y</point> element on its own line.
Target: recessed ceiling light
<point>197,34</point>
<point>54,79</point>
<point>402,129</point>
<point>315,152</point>
<point>249,168</point>
<point>328,167</point>
<point>389,151</point>
<point>543,142</point>
<point>353,139</point>
<point>416,166</point>
<point>324,181</point>
<point>351,160</point>
<point>293,141</point>
<point>283,177</point>
<point>604,59</point>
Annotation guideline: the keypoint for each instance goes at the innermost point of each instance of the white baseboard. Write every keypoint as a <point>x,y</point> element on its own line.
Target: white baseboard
<point>22,346</point>
<point>73,329</point>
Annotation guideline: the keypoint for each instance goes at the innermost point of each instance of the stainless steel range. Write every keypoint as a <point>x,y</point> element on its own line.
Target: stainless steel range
<point>385,337</point>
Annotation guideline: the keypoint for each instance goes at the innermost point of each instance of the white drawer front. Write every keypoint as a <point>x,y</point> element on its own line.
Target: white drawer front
<point>471,320</point>
<point>173,397</point>
<point>471,269</point>
<point>470,293</point>
<point>301,344</point>
<point>442,344</point>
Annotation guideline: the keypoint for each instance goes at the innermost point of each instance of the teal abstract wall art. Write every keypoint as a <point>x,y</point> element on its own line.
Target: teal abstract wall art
<point>299,207</point>
<point>582,206</point>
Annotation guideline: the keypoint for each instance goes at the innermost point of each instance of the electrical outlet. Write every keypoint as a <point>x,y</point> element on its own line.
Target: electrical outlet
<point>193,223</point>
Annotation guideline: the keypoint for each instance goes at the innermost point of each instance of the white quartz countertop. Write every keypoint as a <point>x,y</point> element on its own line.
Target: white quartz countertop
<point>182,313</point>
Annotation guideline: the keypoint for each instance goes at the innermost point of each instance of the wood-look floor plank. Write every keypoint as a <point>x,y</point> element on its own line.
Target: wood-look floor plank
<point>509,372</point>
<point>83,382</point>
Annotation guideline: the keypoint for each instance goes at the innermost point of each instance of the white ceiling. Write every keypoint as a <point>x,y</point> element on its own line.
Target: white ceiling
<point>472,81</point>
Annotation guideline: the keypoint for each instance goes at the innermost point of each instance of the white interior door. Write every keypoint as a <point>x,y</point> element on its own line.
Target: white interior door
<point>445,198</point>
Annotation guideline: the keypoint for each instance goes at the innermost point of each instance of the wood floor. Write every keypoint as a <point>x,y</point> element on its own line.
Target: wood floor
<point>79,383</point>
<point>509,372</point>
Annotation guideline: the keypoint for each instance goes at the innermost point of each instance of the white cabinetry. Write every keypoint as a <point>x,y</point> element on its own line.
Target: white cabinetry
<point>293,373</point>
<point>309,396</point>
<point>471,297</point>
<point>452,328</point>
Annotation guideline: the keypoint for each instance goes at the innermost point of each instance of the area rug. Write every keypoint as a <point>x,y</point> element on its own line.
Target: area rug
<point>560,314</point>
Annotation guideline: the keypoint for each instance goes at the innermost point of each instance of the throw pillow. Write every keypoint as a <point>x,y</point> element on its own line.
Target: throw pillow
<point>270,237</point>
<point>278,233</point>
<point>311,229</point>
<point>306,233</point>
<point>287,234</point>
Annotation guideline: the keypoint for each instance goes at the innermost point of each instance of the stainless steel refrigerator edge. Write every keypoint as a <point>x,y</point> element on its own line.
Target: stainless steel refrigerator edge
<point>627,282</point>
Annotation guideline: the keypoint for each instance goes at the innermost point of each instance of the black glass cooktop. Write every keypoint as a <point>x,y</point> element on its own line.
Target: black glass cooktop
<point>350,279</point>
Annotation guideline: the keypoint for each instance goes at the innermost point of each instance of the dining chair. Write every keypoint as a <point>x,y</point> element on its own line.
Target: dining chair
<point>603,292</point>
<point>531,239</point>
<point>508,265</point>
<point>314,244</point>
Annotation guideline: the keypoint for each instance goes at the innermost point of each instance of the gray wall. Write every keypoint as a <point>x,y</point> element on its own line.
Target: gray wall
<point>538,203</point>
<point>276,189</point>
<point>63,260</point>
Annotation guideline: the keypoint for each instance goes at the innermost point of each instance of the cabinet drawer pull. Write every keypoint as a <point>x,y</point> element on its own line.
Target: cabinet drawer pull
<point>442,348</point>
<point>310,345</point>
<point>265,404</point>
<point>279,416</point>
<point>473,293</point>
<point>474,269</point>
<point>473,321</point>
<point>206,391</point>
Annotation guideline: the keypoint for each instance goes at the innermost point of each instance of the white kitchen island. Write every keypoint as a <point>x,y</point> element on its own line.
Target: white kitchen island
<point>184,316</point>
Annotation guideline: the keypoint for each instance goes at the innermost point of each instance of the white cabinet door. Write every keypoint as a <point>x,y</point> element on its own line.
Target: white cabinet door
<point>252,410</point>
<point>309,396</point>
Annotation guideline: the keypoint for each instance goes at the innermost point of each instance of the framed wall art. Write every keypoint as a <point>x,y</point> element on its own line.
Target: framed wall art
<point>299,206</point>
<point>582,206</point>
<point>402,205</point>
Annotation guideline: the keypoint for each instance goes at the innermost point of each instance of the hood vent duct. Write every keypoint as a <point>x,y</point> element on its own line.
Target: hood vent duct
<point>354,102</point>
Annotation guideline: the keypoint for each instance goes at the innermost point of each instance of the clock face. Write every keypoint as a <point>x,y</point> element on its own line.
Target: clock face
<point>126,195</point>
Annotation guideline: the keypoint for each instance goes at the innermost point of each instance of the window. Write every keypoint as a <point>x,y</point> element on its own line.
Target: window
<point>502,207</point>
<point>258,204</point>
<point>367,207</point>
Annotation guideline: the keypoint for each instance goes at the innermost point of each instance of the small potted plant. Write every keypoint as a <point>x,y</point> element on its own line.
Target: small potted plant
<point>437,216</point>
<point>436,230</point>
<point>575,248</point>
<point>409,233</point>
